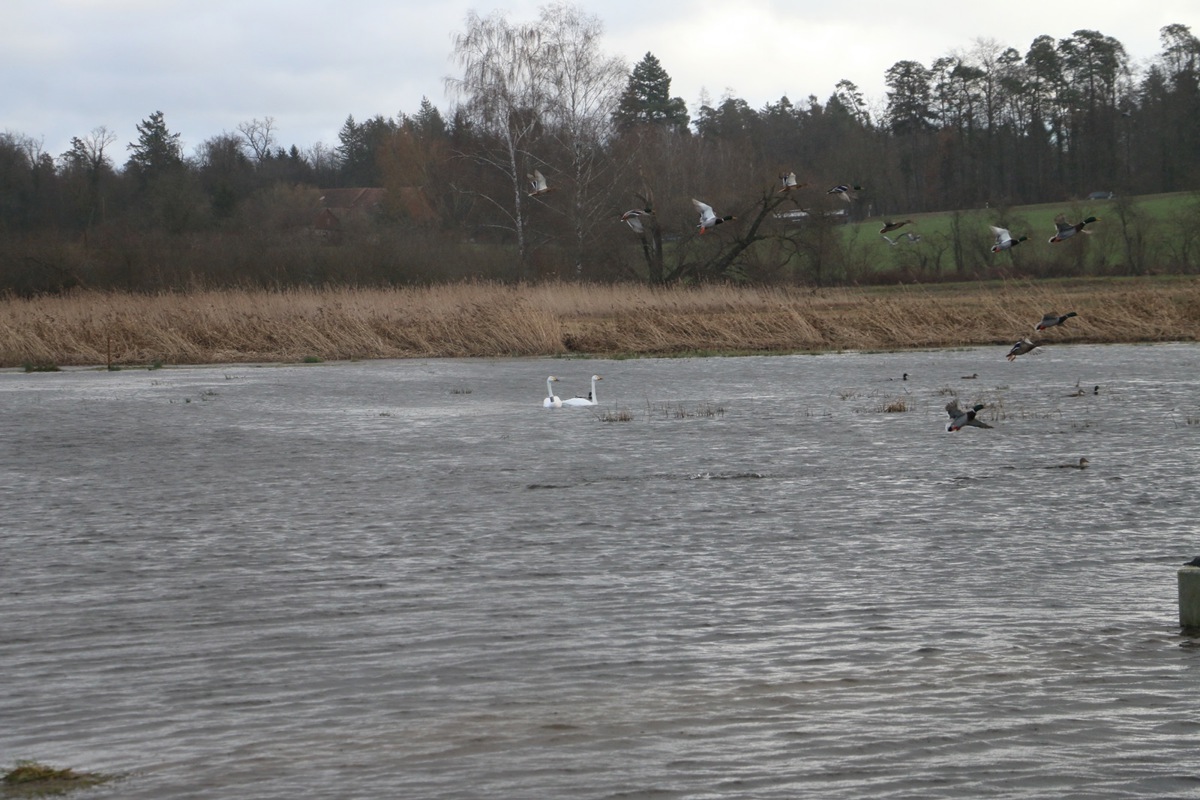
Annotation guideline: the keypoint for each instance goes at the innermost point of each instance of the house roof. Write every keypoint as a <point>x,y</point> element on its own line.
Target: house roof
<point>409,201</point>
<point>360,199</point>
<point>413,201</point>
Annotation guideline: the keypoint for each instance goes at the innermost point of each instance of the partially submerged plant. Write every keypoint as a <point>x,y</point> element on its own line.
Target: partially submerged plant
<point>40,366</point>
<point>33,779</point>
<point>678,411</point>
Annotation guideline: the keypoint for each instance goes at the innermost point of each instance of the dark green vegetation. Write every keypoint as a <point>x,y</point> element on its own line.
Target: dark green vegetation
<point>989,130</point>
<point>33,779</point>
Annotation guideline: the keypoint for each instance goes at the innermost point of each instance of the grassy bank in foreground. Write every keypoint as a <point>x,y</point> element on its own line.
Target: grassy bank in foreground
<point>209,327</point>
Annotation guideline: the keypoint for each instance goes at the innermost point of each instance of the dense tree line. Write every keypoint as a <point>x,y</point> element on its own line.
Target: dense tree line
<point>985,126</point>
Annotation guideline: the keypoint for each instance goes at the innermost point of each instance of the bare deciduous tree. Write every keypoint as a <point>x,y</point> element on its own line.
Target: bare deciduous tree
<point>583,87</point>
<point>503,87</point>
<point>259,135</point>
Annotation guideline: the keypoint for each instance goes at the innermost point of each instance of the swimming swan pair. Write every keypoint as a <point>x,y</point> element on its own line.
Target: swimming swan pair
<point>553,401</point>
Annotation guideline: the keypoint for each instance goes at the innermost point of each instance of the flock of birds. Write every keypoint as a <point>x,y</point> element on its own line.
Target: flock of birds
<point>961,418</point>
<point>1063,230</point>
<point>709,219</point>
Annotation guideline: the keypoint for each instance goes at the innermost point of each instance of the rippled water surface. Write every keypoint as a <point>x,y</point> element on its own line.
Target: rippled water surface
<point>735,578</point>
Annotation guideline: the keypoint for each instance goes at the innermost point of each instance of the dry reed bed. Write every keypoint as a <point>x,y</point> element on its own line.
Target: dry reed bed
<point>89,328</point>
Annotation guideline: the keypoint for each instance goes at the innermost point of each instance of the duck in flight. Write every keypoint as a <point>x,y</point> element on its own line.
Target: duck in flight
<point>708,217</point>
<point>580,402</point>
<point>1021,348</point>
<point>1053,318</point>
<point>960,419</point>
<point>633,218</point>
<point>845,191</point>
<point>537,184</point>
<point>889,226</point>
<point>1065,230</point>
<point>1004,239</point>
<point>788,179</point>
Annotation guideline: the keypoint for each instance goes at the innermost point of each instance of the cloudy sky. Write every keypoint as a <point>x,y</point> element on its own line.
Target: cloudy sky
<point>69,66</point>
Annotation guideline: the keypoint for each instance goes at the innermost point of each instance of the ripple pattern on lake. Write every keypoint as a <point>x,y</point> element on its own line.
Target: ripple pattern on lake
<point>406,578</point>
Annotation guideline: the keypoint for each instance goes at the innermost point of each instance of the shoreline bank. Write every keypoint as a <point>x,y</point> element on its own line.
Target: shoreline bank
<point>579,320</point>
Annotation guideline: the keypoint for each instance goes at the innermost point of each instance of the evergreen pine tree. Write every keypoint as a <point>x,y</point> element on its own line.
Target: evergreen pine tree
<point>647,98</point>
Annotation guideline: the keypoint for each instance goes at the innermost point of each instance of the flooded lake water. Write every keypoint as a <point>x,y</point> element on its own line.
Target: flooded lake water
<point>734,578</point>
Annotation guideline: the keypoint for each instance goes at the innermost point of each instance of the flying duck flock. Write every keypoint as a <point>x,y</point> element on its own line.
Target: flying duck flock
<point>709,219</point>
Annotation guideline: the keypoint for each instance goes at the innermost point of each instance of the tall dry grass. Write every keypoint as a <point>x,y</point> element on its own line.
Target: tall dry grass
<point>479,319</point>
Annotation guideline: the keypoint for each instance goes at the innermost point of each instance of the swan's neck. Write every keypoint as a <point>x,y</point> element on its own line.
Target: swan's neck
<point>592,396</point>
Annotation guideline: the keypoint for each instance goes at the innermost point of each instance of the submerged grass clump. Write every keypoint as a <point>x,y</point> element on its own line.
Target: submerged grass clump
<point>40,366</point>
<point>680,411</point>
<point>34,779</point>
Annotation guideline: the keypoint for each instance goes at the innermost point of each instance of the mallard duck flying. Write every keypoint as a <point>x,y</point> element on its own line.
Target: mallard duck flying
<point>1066,230</point>
<point>1004,239</point>
<point>1021,348</point>
<point>960,419</point>
<point>708,218</point>
<point>789,183</point>
<point>633,218</point>
<point>844,191</point>
<point>890,226</point>
<point>1053,318</point>
<point>537,184</point>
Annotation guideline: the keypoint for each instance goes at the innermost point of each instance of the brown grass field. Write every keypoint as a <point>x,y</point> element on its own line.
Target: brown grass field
<point>88,328</point>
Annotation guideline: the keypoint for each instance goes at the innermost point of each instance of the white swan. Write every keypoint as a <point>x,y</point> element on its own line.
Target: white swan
<point>551,400</point>
<point>590,400</point>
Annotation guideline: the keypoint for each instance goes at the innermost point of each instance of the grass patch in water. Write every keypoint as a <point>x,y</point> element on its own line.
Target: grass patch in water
<point>34,779</point>
<point>679,411</point>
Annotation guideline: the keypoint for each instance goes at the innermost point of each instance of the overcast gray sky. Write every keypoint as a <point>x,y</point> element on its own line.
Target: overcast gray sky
<point>69,66</point>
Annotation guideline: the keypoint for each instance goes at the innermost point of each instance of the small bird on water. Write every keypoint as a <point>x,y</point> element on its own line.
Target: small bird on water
<point>1081,464</point>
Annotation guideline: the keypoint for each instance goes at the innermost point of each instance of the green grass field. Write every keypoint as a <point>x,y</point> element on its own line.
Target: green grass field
<point>1147,234</point>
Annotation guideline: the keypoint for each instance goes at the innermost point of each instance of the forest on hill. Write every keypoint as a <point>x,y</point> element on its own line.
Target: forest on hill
<point>551,141</point>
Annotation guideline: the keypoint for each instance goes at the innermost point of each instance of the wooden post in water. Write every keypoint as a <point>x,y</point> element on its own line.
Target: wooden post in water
<point>1189,596</point>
